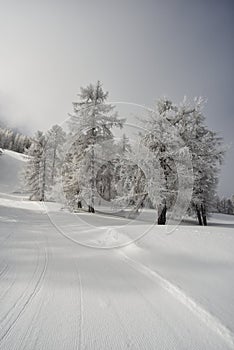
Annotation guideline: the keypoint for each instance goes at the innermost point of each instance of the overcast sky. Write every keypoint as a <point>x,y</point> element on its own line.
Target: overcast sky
<point>140,50</point>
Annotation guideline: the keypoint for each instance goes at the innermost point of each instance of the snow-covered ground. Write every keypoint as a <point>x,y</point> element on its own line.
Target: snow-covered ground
<point>61,287</point>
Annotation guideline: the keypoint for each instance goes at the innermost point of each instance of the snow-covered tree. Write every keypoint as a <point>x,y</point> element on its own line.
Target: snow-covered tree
<point>163,140</point>
<point>123,145</point>
<point>129,181</point>
<point>230,207</point>
<point>69,180</point>
<point>35,168</point>
<point>106,155</point>
<point>205,149</point>
<point>13,140</point>
<point>224,205</point>
<point>56,138</point>
<point>90,126</point>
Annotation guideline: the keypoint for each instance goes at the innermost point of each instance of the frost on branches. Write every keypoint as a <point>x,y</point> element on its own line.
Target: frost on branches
<point>42,169</point>
<point>35,169</point>
<point>168,125</point>
<point>12,140</point>
<point>90,127</point>
<point>173,166</point>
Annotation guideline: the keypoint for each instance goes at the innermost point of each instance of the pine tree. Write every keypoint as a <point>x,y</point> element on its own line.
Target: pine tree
<point>106,163</point>
<point>163,141</point>
<point>225,205</point>
<point>129,179</point>
<point>90,125</point>
<point>13,140</point>
<point>35,169</point>
<point>207,153</point>
<point>56,138</point>
<point>230,207</point>
<point>70,181</point>
<point>168,126</point>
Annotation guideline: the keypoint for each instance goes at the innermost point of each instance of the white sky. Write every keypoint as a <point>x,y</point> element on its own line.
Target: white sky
<point>140,50</point>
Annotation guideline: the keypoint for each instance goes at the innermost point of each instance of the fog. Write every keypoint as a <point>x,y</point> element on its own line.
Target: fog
<point>140,50</point>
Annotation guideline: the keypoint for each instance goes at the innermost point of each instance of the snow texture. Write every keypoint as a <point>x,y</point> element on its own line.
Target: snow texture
<point>161,292</point>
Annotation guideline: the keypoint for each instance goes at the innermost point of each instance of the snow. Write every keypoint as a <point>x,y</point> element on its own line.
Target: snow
<point>16,155</point>
<point>62,287</point>
<point>10,166</point>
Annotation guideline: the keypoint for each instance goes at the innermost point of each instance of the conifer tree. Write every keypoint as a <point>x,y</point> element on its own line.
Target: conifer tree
<point>56,138</point>
<point>188,122</point>
<point>90,125</point>
<point>35,168</point>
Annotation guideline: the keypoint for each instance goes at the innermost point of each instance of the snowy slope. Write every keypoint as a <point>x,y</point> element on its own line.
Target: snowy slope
<point>11,163</point>
<point>164,291</point>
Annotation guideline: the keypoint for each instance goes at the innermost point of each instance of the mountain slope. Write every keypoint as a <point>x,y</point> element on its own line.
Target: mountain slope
<point>59,290</point>
<point>11,165</point>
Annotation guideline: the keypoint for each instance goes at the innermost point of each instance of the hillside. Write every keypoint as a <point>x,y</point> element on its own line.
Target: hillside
<point>11,165</point>
<point>63,287</point>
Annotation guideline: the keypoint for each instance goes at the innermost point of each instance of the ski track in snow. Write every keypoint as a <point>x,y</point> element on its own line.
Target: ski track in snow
<point>32,333</point>
<point>81,302</point>
<point>133,340</point>
<point>5,239</point>
<point>112,317</point>
<point>13,315</point>
<point>31,336</point>
<point>116,314</point>
<point>3,271</point>
<point>5,291</point>
<point>211,321</point>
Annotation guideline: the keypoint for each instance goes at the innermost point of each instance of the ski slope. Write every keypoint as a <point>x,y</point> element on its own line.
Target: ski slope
<point>61,287</point>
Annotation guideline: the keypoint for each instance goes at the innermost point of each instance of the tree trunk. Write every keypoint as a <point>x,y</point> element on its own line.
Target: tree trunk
<point>79,204</point>
<point>53,166</point>
<point>203,211</point>
<point>198,211</point>
<point>162,214</point>
<point>138,205</point>
<point>42,199</point>
<point>91,209</point>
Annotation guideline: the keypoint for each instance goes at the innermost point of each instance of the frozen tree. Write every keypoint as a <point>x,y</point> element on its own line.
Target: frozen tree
<point>168,126</point>
<point>56,138</point>
<point>123,146</point>
<point>162,139</point>
<point>91,123</point>
<point>132,179</point>
<point>110,174</point>
<point>207,151</point>
<point>224,205</point>
<point>128,179</point>
<point>13,140</point>
<point>119,179</point>
<point>112,158</point>
<point>45,158</point>
<point>35,169</point>
<point>71,187</point>
<point>230,207</point>
<point>106,155</point>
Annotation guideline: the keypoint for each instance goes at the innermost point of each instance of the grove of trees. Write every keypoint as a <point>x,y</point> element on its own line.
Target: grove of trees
<point>14,141</point>
<point>44,163</point>
<point>88,164</point>
<point>224,205</point>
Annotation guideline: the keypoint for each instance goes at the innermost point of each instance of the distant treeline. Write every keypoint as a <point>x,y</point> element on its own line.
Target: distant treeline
<point>224,205</point>
<point>13,140</point>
